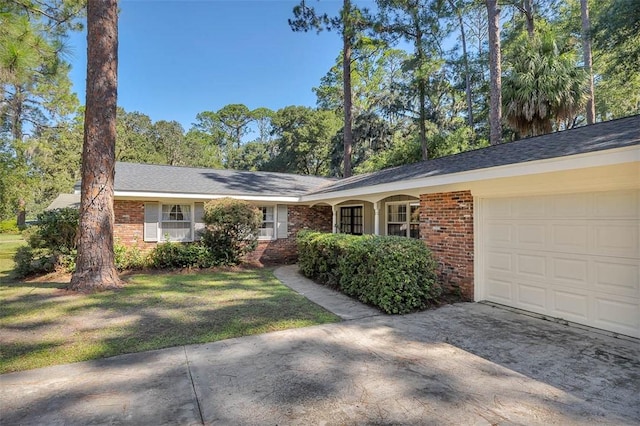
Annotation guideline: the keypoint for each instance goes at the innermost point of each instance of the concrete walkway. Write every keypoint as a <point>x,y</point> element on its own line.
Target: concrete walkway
<point>460,364</point>
<point>334,301</point>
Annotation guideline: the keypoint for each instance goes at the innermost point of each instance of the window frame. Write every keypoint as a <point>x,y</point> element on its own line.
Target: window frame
<point>340,224</point>
<point>162,221</point>
<point>153,218</point>
<point>273,221</point>
<point>407,223</point>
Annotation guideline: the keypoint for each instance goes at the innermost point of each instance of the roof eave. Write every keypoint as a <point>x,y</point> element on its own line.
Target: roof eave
<point>169,195</point>
<point>579,161</point>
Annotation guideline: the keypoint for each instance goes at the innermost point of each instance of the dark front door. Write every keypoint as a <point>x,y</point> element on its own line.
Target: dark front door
<point>351,220</point>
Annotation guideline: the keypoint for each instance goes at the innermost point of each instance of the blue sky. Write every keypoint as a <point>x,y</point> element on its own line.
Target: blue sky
<point>179,58</point>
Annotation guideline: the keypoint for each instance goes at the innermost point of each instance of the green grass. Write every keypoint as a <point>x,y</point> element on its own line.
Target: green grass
<point>8,246</point>
<point>10,237</point>
<point>43,324</point>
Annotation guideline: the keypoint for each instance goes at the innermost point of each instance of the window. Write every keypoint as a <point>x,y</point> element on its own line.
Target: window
<point>351,220</point>
<point>267,226</point>
<point>176,222</point>
<point>403,219</point>
<point>183,222</point>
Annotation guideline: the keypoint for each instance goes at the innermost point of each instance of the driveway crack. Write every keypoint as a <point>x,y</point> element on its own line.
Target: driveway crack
<point>193,385</point>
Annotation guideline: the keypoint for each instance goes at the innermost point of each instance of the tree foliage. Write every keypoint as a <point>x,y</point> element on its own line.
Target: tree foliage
<point>304,140</point>
<point>349,22</point>
<point>618,31</point>
<point>231,229</point>
<point>543,87</point>
<point>415,67</point>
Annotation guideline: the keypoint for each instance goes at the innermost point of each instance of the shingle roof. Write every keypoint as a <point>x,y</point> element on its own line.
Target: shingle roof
<point>596,137</point>
<point>65,200</point>
<point>189,180</point>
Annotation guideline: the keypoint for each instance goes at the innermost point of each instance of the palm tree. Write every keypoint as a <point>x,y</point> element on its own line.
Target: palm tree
<point>542,86</point>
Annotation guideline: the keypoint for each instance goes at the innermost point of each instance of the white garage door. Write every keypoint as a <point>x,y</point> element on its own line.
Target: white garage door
<point>575,257</point>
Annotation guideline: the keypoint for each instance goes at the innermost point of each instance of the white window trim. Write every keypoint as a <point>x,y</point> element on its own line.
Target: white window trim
<point>408,222</point>
<point>274,234</point>
<point>161,236</point>
<point>339,221</point>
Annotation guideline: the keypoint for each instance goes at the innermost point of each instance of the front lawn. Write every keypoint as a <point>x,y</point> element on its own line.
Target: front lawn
<point>42,324</point>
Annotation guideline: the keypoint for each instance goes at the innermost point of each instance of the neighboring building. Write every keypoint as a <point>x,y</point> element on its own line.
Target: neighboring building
<point>549,224</point>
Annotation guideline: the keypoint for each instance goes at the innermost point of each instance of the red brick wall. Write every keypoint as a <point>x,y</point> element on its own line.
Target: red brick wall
<point>446,226</point>
<point>129,230</point>
<point>129,224</point>
<point>317,218</point>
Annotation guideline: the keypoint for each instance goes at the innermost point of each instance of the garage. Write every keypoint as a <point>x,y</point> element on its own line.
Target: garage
<point>571,256</point>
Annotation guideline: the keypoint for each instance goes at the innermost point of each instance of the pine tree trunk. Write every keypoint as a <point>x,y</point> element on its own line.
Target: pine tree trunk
<point>467,72</point>
<point>495,73</point>
<point>346,83</point>
<point>588,62</point>
<point>528,14</point>
<point>422,90</point>
<point>95,267</point>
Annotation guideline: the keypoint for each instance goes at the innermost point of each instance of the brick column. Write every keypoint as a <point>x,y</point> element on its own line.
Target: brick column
<point>446,226</point>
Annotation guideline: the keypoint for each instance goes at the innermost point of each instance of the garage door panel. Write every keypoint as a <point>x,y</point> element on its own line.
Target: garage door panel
<point>527,207</point>
<point>531,236</point>
<point>572,271</point>
<point>617,277</point>
<point>532,265</point>
<point>500,290</point>
<point>573,256</point>
<point>499,208</point>
<point>622,204</point>
<point>532,297</point>
<point>620,315</point>
<point>570,237</point>
<point>569,305</point>
<point>617,239</point>
<point>574,206</point>
<point>499,262</point>
<point>499,234</point>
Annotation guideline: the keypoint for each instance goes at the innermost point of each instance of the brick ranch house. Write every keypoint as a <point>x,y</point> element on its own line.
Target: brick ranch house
<point>549,224</point>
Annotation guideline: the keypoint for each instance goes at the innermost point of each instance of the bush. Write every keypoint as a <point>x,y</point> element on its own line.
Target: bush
<point>52,244</point>
<point>128,257</point>
<point>9,226</point>
<point>231,229</point>
<point>56,230</point>
<point>395,274</point>
<point>181,255</point>
<point>30,261</point>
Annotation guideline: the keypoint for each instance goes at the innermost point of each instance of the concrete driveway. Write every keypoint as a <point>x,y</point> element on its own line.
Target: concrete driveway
<point>459,364</point>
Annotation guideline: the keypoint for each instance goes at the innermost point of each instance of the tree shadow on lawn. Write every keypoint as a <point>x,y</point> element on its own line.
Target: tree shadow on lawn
<point>142,317</point>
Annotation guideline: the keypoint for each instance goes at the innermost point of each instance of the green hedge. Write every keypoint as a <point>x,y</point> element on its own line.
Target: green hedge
<point>395,274</point>
<point>182,255</point>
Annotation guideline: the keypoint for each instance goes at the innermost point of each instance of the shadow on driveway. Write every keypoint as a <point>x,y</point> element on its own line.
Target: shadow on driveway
<point>459,364</point>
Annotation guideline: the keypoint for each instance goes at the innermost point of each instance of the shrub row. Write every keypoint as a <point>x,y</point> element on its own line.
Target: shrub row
<point>231,232</point>
<point>182,255</point>
<point>395,274</point>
